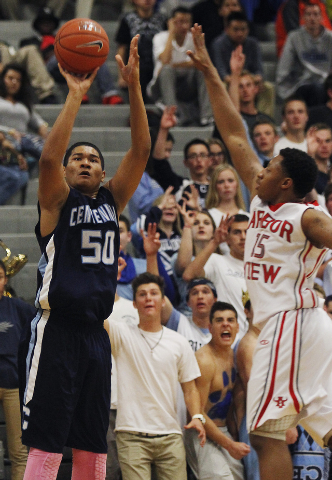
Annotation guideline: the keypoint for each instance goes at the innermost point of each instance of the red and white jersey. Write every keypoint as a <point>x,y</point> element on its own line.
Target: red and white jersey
<point>280,262</point>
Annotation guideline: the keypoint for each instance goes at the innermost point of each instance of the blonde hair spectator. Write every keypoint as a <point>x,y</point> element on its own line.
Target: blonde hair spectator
<point>213,199</point>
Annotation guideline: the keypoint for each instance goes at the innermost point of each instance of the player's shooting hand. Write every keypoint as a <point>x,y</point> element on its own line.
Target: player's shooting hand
<point>197,425</point>
<point>130,72</point>
<point>238,450</point>
<point>151,242</point>
<point>168,119</point>
<point>78,83</point>
<point>200,57</point>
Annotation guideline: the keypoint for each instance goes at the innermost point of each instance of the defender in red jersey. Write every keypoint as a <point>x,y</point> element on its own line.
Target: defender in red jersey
<point>291,378</point>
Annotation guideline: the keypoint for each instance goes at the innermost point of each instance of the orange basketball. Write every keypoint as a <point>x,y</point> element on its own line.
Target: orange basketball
<point>81,45</point>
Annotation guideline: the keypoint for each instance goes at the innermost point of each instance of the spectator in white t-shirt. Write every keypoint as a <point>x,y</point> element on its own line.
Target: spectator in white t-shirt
<point>151,360</point>
<point>295,117</point>
<point>123,312</point>
<point>225,271</point>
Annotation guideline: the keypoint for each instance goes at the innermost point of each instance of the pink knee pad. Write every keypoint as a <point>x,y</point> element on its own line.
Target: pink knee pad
<point>42,465</point>
<point>88,465</point>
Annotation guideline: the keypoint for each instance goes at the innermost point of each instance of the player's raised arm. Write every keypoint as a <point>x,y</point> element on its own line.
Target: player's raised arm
<point>130,171</point>
<point>228,120</point>
<point>53,189</point>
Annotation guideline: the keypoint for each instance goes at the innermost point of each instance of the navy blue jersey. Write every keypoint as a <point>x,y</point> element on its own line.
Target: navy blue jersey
<point>77,273</point>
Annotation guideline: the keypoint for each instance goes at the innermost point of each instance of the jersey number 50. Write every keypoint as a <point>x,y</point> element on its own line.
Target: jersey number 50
<point>103,250</point>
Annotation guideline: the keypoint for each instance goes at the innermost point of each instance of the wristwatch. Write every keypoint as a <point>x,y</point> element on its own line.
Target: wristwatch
<point>200,417</point>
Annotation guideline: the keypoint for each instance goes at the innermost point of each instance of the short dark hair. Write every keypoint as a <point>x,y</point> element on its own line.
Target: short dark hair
<point>327,300</point>
<point>124,219</point>
<point>3,266</point>
<point>195,141</point>
<point>240,217</point>
<point>221,307</point>
<point>184,10</point>
<point>145,278</point>
<point>87,144</point>
<point>237,218</point>
<point>301,168</point>
<point>293,98</point>
<point>237,16</point>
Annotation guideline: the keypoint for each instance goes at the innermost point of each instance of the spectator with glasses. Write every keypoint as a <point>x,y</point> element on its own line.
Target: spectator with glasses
<point>197,159</point>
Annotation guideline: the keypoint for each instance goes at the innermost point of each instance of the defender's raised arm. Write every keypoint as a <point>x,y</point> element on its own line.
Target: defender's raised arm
<point>227,119</point>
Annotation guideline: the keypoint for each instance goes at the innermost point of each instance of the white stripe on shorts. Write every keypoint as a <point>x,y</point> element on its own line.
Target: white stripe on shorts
<point>37,334</point>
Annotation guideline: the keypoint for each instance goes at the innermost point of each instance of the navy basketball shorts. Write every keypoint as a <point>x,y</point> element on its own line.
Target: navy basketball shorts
<point>65,385</point>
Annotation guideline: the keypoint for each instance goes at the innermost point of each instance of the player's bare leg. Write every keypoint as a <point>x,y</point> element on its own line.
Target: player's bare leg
<point>275,462</point>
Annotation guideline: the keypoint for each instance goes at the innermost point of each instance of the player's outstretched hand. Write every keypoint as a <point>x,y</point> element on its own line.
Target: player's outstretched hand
<point>197,425</point>
<point>200,57</point>
<point>78,83</point>
<point>238,450</point>
<point>130,72</point>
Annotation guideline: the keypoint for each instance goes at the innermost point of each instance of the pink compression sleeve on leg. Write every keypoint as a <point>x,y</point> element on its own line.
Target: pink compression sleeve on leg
<point>42,465</point>
<point>88,465</point>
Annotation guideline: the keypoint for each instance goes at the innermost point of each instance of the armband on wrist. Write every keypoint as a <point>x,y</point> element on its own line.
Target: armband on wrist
<point>200,417</point>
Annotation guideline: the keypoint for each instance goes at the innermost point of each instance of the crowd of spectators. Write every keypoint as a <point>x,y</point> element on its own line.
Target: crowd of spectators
<point>182,223</point>
<point>212,190</point>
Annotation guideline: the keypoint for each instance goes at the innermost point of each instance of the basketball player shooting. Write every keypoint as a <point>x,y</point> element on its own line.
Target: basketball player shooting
<point>66,370</point>
<point>291,378</point>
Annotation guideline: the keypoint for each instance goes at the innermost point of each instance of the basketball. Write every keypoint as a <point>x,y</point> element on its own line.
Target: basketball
<point>81,45</point>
